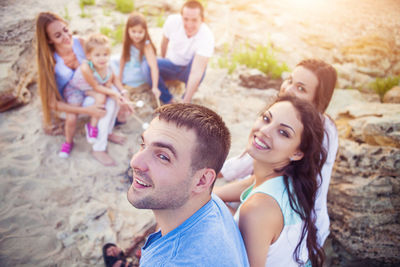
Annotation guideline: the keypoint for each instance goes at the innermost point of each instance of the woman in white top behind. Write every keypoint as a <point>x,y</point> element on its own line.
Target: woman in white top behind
<point>314,81</point>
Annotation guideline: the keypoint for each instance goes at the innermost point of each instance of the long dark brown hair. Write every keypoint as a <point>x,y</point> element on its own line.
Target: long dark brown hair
<point>134,19</point>
<point>302,175</point>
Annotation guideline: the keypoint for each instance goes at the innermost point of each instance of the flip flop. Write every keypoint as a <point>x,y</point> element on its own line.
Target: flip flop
<point>117,122</point>
<point>109,261</point>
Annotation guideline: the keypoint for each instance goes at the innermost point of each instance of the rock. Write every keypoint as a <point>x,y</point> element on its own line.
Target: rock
<point>392,96</point>
<point>396,68</point>
<point>364,202</point>
<point>18,69</point>
<point>259,81</point>
<point>373,54</point>
<point>372,123</point>
<point>364,198</point>
<point>350,77</point>
<point>346,98</point>
<point>380,126</point>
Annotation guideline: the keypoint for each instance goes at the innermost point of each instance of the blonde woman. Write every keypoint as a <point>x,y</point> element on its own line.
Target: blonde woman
<point>58,56</point>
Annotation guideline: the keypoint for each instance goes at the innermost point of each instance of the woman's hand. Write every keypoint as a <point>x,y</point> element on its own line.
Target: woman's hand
<point>96,110</point>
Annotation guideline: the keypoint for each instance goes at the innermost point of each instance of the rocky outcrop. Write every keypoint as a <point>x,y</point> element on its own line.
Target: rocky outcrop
<point>364,199</point>
<point>364,202</point>
<point>372,55</point>
<point>17,64</point>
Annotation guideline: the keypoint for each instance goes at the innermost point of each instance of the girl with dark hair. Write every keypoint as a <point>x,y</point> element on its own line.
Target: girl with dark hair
<point>276,215</point>
<point>136,48</point>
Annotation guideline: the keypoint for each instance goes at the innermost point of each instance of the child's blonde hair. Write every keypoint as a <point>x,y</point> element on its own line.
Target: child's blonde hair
<point>94,40</point>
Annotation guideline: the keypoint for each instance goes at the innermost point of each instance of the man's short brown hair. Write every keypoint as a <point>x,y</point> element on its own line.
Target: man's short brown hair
<point>213,137</point>
<point>194,4</point>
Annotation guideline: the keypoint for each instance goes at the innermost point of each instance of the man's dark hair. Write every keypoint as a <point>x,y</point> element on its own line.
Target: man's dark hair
<point>213,137</point>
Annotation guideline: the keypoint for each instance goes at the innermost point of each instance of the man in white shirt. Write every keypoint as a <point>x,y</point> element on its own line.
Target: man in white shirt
<point>186,47</point>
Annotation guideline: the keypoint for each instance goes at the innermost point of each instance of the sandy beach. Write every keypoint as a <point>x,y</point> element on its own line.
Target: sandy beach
<point>59,212</point>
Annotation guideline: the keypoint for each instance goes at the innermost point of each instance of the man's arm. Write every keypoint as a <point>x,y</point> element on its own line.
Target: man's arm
<point>199,65</point>
<point>164,46</point>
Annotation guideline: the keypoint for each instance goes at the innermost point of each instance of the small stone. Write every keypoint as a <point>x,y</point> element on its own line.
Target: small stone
<point>392,96</point>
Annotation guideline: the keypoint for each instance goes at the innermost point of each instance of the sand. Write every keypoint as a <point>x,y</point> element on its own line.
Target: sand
<point>59,212</point>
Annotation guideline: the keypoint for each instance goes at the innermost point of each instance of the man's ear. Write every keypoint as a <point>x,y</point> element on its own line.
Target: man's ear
<point>204,180</point>
<point>298,155</point>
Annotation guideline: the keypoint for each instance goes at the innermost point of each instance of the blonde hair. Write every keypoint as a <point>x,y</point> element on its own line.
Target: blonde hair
<point>45,63</point>
<point>135,18</point>
<point>95,40</point>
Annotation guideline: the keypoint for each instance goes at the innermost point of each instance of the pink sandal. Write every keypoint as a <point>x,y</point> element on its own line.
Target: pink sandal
<point>65,150</point>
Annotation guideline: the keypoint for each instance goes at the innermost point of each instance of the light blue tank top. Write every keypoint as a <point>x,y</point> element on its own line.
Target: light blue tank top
<point>63,73</point>
<point>280,253</point>
<point>132,73</point>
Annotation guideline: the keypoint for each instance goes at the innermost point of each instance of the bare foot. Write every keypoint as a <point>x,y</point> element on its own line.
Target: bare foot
<point>103,158</point>
<point>117,139</point>
<point>57,129</point>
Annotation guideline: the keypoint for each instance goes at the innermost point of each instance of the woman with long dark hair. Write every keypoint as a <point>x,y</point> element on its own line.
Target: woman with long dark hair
<point>276,216</point>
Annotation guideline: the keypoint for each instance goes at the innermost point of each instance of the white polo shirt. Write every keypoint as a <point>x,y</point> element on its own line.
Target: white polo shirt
<point>182,49</point>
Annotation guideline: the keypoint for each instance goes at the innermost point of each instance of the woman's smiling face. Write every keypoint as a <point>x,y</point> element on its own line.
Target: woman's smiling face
<point>276,135</point>
<point>59,34</point>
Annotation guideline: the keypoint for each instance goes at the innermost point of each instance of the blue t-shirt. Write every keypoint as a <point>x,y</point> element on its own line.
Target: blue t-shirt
<point>210,237</point>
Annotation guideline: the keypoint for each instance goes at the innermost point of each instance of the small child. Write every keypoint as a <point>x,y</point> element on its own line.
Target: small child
<point>137,47</point>
<point>98,50</point>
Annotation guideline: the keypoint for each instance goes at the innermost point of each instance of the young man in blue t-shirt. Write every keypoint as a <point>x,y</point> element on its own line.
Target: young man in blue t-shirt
<point>173,174</point>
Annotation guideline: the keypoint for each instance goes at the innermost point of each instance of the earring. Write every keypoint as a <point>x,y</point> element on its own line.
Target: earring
<point>291,159</point>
